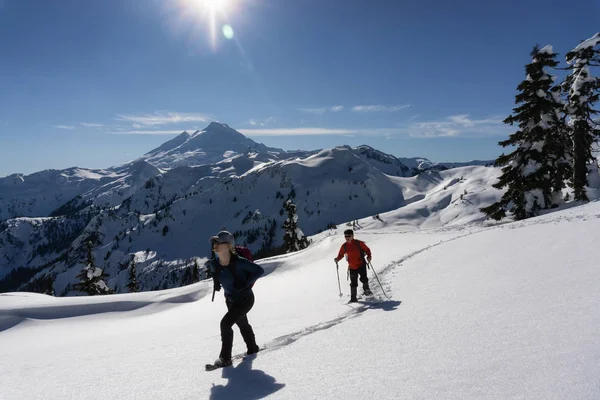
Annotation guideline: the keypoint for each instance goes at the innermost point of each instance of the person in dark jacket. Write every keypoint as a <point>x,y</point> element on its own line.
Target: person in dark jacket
<point>355,251</point>
<point>236,276</point>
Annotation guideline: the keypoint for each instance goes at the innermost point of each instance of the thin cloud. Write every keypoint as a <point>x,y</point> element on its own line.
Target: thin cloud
<point>459,125</point>
<point>379,108</point>
<point>90,125</point>
<point>315,111</point>
<point>296,131</point>
<point>316,131</point>
<point>321,110</point>
<point>64,126</point>
<point>163,118</point>
<point>263,122</point>
<point>117,131</point>
<point>452,126</point>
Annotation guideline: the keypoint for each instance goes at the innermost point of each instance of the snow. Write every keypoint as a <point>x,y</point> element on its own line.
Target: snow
<point>591,42</point>
<point>583,81</point>
<point>478,310</point>
<point>547,50</point>
<point>530,168</point>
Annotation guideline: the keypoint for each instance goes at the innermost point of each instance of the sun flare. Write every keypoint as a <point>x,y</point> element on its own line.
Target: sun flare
<point>215,6</point>
<point>212,16</point>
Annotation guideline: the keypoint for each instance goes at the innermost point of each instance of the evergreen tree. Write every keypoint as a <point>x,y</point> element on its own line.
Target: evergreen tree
<point>186,279</point>
<point>207,273</point>
<point>50,289</point>
<point>195,272</point>
<point>133,285</point>
<point>536,170</point>
<point>91,278</point>
<point>293,237</point>
<point>582,92</point>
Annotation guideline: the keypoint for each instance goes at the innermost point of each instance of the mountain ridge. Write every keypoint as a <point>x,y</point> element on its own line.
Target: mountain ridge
<point>160,217</point>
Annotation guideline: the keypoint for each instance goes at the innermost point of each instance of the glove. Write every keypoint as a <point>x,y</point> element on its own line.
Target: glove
<point>335,259</point>
<point>368,258</point>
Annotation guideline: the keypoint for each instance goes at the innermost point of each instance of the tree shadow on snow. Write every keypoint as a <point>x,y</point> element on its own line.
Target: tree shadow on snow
<point>243,382</point>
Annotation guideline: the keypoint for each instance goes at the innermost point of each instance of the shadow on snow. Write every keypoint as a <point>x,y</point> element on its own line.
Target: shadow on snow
<point>243,382</point>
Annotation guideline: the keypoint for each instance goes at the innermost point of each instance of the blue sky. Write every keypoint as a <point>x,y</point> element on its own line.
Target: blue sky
<point>97,83</point>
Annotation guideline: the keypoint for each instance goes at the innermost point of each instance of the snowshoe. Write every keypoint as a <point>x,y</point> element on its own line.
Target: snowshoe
<point>219,363</point>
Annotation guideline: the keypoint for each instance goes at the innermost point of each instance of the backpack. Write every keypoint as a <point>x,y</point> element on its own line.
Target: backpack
<point>244,252</point>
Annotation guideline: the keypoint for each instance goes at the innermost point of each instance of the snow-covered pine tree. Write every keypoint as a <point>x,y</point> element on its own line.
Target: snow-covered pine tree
<point>293,237</point>
<point>536,170</point>
<point>91,278</point>
<point>133,285</point>
<point>582,92</point>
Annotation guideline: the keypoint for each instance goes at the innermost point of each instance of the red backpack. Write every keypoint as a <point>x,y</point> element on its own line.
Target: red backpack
<point>244,252</point>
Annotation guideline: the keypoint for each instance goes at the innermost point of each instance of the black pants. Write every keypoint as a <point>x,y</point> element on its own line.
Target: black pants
<point>354,273</point>
<point>237,316</point>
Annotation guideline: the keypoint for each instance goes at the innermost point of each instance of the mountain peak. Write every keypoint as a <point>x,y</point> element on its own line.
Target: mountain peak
<point>217,125</point>
<point>221,130</point>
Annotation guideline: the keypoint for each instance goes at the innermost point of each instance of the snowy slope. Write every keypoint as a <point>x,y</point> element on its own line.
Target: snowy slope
<point>505,311</point>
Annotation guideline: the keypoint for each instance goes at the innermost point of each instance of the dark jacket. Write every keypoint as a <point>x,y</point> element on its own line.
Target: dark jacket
<point>236,287</point>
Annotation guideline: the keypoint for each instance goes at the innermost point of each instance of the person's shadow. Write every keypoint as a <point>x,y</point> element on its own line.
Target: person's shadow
<point>245,383</point>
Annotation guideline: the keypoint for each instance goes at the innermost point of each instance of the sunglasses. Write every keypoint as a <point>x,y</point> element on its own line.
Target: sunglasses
<point>347,235</point>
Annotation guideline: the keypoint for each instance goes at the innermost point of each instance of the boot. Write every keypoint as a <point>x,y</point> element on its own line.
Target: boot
<point>366,290</point>
<point>353,298</point>
<point>221,362</point>
<point>252,350</point>
<point>249,339</point>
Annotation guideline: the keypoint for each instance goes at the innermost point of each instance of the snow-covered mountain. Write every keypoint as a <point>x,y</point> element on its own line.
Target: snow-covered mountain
<point>478,311</point>
<point>160,218</point>
<point>418,164</point>
<point>211,145</point>
<point>56,192</point>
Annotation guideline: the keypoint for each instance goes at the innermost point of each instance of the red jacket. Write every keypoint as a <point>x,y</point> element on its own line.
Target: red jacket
<point>352,250</point>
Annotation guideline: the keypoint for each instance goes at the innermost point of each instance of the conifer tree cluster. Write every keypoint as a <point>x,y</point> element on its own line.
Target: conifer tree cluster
<point>552,147</point>
<point>293,237</point>
<point>91,278</point>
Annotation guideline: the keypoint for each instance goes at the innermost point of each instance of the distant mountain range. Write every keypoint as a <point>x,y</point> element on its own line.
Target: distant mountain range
<point>160,209</point>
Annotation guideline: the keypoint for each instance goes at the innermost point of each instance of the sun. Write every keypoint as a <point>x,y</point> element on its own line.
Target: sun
<point>212,16</point>
<point>215,6</point>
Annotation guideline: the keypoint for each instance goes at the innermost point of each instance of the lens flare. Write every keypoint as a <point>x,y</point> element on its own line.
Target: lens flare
<point>228,32</point>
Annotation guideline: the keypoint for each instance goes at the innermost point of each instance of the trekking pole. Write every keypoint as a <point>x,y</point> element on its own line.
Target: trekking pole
<point>378,281</point>
<point>337,269</point>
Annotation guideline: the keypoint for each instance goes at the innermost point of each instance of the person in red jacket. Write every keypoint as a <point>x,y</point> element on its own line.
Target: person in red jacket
<point>355,251</point>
